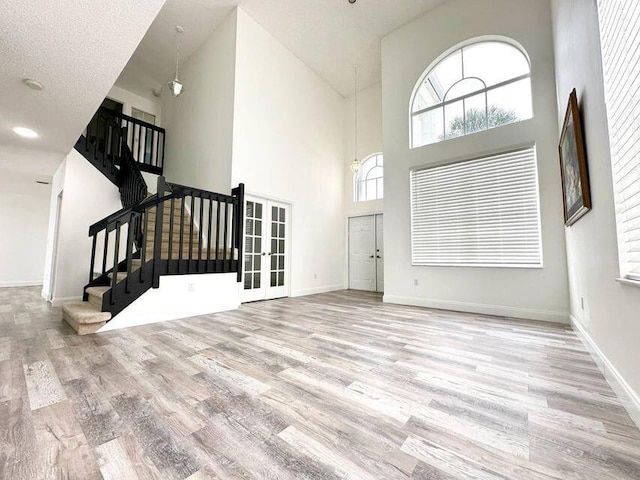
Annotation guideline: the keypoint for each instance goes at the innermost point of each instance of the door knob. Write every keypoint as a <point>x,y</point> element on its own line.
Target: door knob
<point>378,256</point>
<point>371,256</point>
<point>263,254</point>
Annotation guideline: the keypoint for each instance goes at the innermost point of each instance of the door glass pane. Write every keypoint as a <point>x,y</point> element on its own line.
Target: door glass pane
<point>274,262</point>
<point>253,245</point>
<point>280,279</point>
<point>274,214</point>
<point>274,279</point>
<point>281,218</point>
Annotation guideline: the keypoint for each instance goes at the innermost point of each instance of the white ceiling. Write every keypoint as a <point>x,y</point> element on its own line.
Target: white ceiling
<point>76,50</point>
<point>330,36</point>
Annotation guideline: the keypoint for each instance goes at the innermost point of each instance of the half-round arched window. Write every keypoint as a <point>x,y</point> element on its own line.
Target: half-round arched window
<point>369,179</point>
<point>479,86</point>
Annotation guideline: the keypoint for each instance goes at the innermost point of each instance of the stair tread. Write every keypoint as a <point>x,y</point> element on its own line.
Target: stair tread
<point>84,313</point>
<point>97,291</point>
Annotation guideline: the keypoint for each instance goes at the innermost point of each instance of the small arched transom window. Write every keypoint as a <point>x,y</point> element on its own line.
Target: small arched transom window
<point>477,87</point>
<point>369,179</point>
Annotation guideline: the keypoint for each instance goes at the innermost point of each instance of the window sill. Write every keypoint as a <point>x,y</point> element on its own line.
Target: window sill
<point>628,281</point>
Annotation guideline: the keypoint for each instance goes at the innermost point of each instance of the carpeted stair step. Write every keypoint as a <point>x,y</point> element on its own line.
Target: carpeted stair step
<point>95,295</point>
<point>84,317</point>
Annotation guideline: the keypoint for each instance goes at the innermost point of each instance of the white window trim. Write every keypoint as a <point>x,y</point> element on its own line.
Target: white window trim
<point>444,103</point>
<point>539,265</point>
<point>628,275</point>
<point>356,181</point>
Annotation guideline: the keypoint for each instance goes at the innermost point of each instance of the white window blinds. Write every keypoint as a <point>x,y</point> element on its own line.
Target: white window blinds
<point>482,212</point>
<point>620,38</point>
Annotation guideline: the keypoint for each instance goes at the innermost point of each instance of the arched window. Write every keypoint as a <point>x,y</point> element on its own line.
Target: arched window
<point>369,179</point>
<point>479,86</point>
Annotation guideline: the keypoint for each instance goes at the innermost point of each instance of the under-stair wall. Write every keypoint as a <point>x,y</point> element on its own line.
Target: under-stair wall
<point>87,196</point>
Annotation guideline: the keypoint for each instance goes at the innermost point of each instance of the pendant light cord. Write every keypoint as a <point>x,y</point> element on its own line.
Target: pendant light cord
<point>356,111</point>
<point>177,53</point>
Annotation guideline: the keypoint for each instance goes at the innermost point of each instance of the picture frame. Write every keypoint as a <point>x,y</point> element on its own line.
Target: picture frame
<point>576,194</point>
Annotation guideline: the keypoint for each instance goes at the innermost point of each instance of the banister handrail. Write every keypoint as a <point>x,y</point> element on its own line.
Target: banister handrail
<point>152,201</point>
<point>115,113</point>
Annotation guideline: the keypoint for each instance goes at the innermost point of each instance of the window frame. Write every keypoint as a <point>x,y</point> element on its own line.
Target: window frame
<point>615,93</point>
<point>358,183</point>
<point>477,158</point>
<point>445,102</point>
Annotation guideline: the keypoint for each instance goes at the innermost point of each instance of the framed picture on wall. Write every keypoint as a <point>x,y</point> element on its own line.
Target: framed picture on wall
<point>573,165</point>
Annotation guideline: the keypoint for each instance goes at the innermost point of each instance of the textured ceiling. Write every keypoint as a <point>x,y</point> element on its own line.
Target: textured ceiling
<point>76,50</point>
<point>330,36</point>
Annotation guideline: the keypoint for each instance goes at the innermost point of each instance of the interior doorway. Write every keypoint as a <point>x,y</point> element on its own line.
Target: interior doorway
<point>366,253</point>
<point>266,249</point>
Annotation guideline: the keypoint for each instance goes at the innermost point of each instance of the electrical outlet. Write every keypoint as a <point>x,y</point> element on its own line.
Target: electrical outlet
<point>415,282</point>
<point>315,276</point>
<point>191,287</point>
<point>582,302</point>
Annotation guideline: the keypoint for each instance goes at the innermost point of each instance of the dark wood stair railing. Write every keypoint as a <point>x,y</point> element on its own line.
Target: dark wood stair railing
<point>146,141</point>
<point>178,231</point>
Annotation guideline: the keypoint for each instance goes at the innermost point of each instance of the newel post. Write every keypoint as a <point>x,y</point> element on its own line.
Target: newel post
<point>157,238</point>
<point>238,218</point>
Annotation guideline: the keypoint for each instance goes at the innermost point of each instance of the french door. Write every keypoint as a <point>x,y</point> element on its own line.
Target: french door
<point>266,249</point>
<point>366,253</point>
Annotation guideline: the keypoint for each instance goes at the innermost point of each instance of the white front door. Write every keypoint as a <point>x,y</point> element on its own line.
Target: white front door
<point>366,268</point>
<point>266,250</point>
<point>362,247</point>
<point>379,254</point>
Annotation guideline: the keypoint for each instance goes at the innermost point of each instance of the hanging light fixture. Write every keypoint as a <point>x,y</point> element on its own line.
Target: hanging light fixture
<point>175,87</point>
<point>355,164</point>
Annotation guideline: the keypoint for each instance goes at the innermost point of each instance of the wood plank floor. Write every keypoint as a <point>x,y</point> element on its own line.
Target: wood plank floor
<point>332,386</point>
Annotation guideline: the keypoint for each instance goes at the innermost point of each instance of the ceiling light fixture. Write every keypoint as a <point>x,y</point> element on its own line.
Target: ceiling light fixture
<point>175,87</point>
<point>33,84</point>
<point>355,165</point>
<point>25,132</point>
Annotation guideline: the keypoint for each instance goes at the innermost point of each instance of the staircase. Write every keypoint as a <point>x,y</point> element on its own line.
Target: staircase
<point>180,230</point>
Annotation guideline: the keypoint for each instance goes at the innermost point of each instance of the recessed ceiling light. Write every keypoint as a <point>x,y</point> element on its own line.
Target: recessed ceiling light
<point>33,84</point>
<point>25,132</point>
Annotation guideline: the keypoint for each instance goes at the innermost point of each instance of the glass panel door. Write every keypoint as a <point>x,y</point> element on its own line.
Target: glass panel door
<point>278,254</point>
<point>254,226</point>
<point>266,250</point>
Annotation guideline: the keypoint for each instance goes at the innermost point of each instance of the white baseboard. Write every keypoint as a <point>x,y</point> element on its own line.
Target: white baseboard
<point>629,398</point>
<point>495,310</point>
<point>59,301</point>
<point>26,283</point>
<point>315,290</point>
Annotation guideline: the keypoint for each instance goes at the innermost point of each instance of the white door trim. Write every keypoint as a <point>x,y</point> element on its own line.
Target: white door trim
<point>266,292</point>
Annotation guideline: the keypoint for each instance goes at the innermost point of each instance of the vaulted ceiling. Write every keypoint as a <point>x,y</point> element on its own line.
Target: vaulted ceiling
<point>330,36</point>
<point>76,50</point>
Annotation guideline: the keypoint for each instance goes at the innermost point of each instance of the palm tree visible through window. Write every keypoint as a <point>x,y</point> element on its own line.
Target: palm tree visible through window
<point>477,87</point>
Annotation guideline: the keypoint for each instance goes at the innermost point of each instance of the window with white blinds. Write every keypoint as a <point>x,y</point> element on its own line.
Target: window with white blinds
<point>480,213</point>
<point>620,38</point>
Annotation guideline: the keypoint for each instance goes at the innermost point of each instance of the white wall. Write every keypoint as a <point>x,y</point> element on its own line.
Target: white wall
<point>369,142</point>
<point>288,145</point>
<point>131,100</point>
<point>87,197</point>
<point>24,210</point>
<point>199,123</point>
<point>180,296</point>
<point>611,314</point>
<point>406,53</point>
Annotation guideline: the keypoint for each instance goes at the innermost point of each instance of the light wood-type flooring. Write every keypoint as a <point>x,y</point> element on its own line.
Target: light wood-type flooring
<point>331,386</point>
